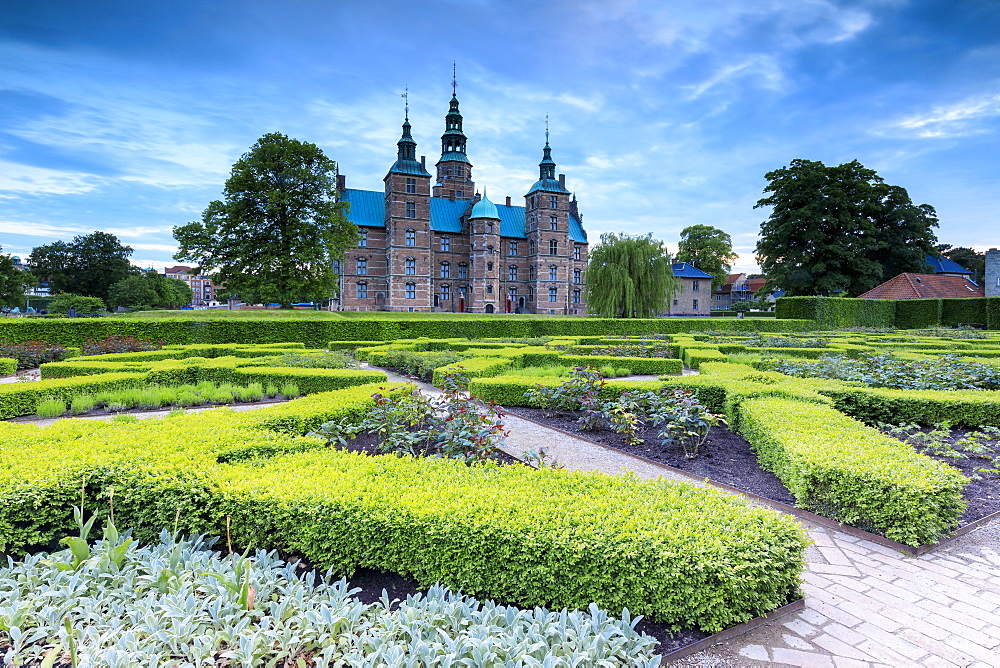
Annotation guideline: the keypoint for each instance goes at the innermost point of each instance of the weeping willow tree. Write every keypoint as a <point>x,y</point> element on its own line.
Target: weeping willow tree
<point>629,277</point>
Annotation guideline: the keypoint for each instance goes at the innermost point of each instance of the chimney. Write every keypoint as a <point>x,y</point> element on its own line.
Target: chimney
<point>562,181</point>
<point>341,183</point>
<point>423,162</point>
<point>508,200</point>
<point>992,273</point>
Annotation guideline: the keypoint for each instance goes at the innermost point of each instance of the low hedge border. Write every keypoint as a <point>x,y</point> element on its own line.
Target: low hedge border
<point>677,553</point>
<point>22,398</point>
<point>971,408</point>
<point>8,366</point>
<point>838,467</point>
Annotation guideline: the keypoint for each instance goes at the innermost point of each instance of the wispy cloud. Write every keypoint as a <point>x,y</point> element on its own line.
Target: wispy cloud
<point>18,180</point>
<point>762,70</point>
<point>959,119</point>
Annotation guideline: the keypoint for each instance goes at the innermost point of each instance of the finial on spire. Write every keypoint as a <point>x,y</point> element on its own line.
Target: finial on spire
<point>546,129</point>
<point>454,79</point>
<point>406,103</point>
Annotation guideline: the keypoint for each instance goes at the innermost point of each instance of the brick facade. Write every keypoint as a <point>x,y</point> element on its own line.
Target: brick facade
<point>426,246</point>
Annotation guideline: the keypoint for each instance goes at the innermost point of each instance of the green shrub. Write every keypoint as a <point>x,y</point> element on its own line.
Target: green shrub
<point>50,407</point>
<point>82,403</point>
<point>31,354</point>
<point>916,313</point>
<point>972,408</point>
<point>8,365</point>
<point>290,390</point>
<point>838,467</point>
<point>22,398</point>
<point>956,312</point>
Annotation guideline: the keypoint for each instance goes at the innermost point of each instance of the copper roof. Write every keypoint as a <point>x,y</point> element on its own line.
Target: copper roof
<point>925,286</point>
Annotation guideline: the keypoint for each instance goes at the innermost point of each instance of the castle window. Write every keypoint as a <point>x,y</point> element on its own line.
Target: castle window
<point>513,272</point>
<point>553,272</point>
<point>489,228</point>
<point>577,275</point>
<point>553,294</point>
<point>489,289</point>
<point>489,250</point>
<point>489,266</point>
<point>694,303</point>
<point>411,290</point>
<point>695,286</point>
<point>445,292</point>
<point>576,296</point>
<point>553,223</point>
<point>445,268</point>
<point>459,194</point>
<point>445,244</point>
<point>576,252</point>
<point>512,248</point>
<point>463,270</point>
<point>411,266</point>
<point>531,246</point>
<point>362,267</point>
<point>531,272</point>
<point>411,237</point>
<point>411,209</point>
<point>512,292</point>
<point>411,185</point>
<point>363,238</point>
<point>553,247</point>
<point>553,201</point>
<point>362,291</point>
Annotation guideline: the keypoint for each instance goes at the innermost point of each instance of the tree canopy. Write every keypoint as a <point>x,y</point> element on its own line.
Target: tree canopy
<point>89,265</point>
<point>13,282</point>
<point>968,258</point>
<point>709,249</point>
<point>629,277</point>
<point>150,290</point>
<point>277,232</point>
<point>839,229</point>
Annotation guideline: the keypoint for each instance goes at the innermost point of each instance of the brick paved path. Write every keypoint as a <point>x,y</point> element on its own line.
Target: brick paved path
<point>866,605</point>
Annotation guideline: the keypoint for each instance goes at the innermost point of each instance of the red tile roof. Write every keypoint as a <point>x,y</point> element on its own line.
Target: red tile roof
<point>925,286</point>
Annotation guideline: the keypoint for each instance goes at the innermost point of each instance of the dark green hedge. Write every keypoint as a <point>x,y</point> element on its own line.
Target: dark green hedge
<point>917,313</point>
<point>970,408</point>
<point>833,312</point>
<point>961,311</point>
<point>993,313</point>
<point>318,333</point>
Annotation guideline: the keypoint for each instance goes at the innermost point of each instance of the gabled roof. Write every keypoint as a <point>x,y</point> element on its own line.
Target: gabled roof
<point>685,270</point>
<point>942,265</point>
<point>368,208</point>
<point>925,286</point>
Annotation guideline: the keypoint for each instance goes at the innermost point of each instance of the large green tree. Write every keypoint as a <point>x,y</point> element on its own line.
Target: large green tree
<point>89,265</point>
<point>13,282</point>
<point>709,249</point>
<point>150,290</point>
<point>279,228</point>
<point>839,229</point>
<point>629,277</point>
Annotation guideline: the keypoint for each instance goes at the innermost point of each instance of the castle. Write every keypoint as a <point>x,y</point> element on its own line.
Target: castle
<point>444,247</point>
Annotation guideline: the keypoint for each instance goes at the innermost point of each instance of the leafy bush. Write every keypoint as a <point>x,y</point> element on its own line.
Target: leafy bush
<point>583,388</point>
<point>8,365</point>
<point>417,363</point>
<point>118,344</point>
<point>947,372</point>
<point>64,301</point>
<point>290,390</point>
<point>32,354</point>
<point>50,408</point>
<point>310,360</point>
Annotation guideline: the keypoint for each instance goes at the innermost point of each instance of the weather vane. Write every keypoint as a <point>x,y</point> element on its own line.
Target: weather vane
<point>546,128</point>
<point>406,103</point>
<point>454,79</point>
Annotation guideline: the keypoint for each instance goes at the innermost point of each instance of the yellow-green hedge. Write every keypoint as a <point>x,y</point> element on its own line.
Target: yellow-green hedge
<point>677,553</point>
<point>972,408</point>
<point>23,398</point>
<point>8,365</point>
<point>838,467</point>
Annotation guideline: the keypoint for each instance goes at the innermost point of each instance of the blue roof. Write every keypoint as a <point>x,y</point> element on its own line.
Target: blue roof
<point>943,265</point>
<point>685,270</point>
<point>454,156</point>
<point>368,208</point>
<point>408,167</point>
<point>547,185</point>
<point>484,208</point>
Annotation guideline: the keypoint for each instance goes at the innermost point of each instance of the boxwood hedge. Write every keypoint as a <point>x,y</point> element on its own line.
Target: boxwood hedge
<point>678,553</point>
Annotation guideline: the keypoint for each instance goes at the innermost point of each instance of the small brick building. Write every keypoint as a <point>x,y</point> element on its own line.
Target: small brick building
<point>433,243</point>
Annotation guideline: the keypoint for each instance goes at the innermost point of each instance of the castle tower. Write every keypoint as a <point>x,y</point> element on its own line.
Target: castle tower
<point>408,229</point>
<point>484,233</point>
<point>454,171</point>
<point>546,218</point>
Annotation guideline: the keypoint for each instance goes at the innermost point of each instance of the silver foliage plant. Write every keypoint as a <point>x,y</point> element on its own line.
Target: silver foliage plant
<point>179,603</point>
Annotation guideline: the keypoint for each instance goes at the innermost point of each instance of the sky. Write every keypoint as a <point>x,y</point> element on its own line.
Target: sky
<point>127,116</point>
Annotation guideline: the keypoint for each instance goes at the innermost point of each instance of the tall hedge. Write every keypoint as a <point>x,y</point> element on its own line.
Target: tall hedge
<point>993,313</point>
<point>961,311</point>
<point>833,312</point>
<point>917,313</point>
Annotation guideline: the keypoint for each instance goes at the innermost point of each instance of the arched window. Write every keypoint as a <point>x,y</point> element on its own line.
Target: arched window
<point>531,272</point>
<point>362,266</point>
<point>411,237</point>
<point>576,296</point>
<point>553,294</point>
<point>489,266</point>
<point>411,290</point>
<point>577,276</point>
<point>553,247</point>
<point>411,266</point>
<point>553,272</point>
<point>531,246</point>
<point>362,291</point>
<point>513,272</point>
<point>463,270</point>
<point>362,238</point>
<point>445,268</point>
<point>445,292</point>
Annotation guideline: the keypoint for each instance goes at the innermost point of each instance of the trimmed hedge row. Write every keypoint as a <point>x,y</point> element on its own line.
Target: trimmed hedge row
<point>840,468</point>
<point>23,398</point>
<point>8,365</point>
<point>833,312</point>
<point>319,333</point>
<point>474,367</point>
<point>972,408</point>
<point>917,313</point>
<point>638,365</point>
<point>677,553</point>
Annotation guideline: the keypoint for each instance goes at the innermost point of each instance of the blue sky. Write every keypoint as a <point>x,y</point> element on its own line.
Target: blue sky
<point>126,116</point>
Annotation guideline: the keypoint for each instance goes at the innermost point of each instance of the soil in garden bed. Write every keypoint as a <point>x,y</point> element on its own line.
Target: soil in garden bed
<point>727,457</point>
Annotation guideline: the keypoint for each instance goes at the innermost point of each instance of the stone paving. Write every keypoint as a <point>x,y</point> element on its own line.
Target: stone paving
<point>866,604</point>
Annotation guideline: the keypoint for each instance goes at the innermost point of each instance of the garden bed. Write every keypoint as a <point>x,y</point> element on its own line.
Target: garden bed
<point>726,457</point>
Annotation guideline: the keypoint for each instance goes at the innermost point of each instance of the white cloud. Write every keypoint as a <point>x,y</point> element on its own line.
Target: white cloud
<point>17,179</point>
<point>959,119</point>
<point>761,69</point>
